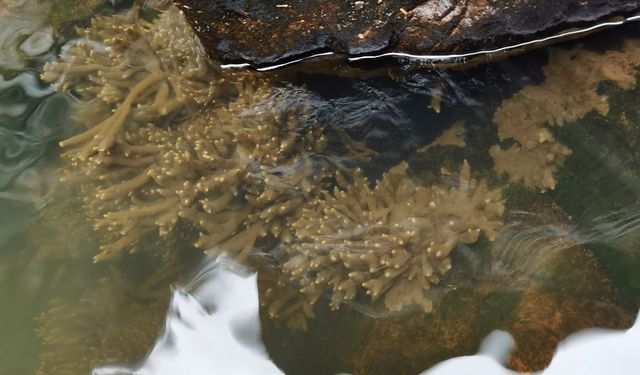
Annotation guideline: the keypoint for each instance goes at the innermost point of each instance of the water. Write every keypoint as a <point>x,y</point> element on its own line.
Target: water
<point>318,219</point>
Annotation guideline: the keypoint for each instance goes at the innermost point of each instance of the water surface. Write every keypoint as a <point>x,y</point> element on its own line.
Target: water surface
<point>516,182</point>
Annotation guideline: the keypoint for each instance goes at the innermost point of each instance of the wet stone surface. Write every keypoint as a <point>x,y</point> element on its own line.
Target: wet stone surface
<point>264,32</point>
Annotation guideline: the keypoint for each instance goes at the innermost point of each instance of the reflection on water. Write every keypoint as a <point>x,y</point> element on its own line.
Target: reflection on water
<point>530,248</point>
<point>383,221</point>
<point>212,327</point>
<point>223,299</point>
<point>30,126</point>
<point>587,352</point>
<point>18,19</point>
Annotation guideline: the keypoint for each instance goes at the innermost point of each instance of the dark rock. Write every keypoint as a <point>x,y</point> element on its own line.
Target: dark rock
<point>263,32</point>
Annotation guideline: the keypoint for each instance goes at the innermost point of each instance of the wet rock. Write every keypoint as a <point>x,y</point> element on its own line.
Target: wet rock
<point>565,292</point>
<point>267,31</point>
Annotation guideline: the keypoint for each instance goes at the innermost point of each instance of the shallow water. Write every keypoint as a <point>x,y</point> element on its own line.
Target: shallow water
<point>540,247</point>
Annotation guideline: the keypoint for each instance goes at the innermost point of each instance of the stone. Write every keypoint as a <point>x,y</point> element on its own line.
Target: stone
<point>264,32</point>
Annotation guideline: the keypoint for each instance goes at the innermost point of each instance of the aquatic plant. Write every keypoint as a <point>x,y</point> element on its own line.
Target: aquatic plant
<point>232,170</point>
<point>452,136</point>
<point>113,322</point>
<point>232,175</point>
<point>142,71</point>
<point>570,92</point>
<point>392,241</point>
<point>281,299</point>
<point>56,231</point>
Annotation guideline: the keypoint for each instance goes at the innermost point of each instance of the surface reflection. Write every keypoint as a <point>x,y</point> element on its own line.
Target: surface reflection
<point>589,352</point>
<point>212,327</point>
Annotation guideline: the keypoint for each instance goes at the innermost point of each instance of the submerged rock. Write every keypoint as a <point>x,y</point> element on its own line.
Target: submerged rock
<point>269,31</point>
<point>566,293</point>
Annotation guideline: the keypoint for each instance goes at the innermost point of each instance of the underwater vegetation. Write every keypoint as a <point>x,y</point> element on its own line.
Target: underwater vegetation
<point>176,149</point>
<point>452,136</point>
<point>159,149</point>
<point>539,281</point>
<point>117,314</point>
<point>391,241</point>
<point>570,91</point>
<point>123,60</point>
<point>233,175</point>
<point>115,321</point>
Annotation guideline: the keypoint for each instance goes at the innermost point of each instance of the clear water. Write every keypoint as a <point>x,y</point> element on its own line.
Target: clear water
<point>564,257</point>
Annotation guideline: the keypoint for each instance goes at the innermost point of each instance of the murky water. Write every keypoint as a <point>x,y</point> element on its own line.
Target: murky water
<point>161,215</point>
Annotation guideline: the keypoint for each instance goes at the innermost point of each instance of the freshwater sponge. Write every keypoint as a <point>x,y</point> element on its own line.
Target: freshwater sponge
<point>392,241</point>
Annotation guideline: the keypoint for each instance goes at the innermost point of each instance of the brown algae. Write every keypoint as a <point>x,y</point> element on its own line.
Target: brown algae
<point>170,141</point>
